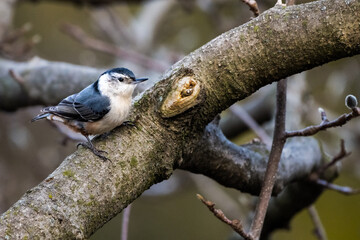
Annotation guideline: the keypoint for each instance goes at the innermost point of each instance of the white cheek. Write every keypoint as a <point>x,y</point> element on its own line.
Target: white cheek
<point>111,88</point>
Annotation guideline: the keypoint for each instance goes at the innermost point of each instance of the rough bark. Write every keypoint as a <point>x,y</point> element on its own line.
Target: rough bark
<point>243,167</point>
<point>83,193</point>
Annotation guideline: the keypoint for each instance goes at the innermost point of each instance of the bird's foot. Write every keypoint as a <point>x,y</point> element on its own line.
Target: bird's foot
<point>98,153</point>
<point>129,123</point>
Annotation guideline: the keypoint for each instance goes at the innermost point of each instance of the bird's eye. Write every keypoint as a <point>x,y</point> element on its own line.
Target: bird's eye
<point>121,79</point>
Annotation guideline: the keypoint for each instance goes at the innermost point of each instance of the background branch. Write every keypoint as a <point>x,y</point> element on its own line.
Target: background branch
<point>243,167</point>
<point>78,34</point>
<point>319,230</point>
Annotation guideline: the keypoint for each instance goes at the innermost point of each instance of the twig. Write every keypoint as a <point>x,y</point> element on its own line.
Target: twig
<point>273,163</point>
<point>16,34</point>
<point>315,177</point>
<point>234,224</point>
<point>253,6</point>
<point>341,189</point>
<point>125,223</point>
<point>78,34</point>
<point>323,115</point>
<point>251,123</point>
<point>311,130</point>
<point>343,153</point>
<point>20,80</point>
<point>319,228</point>
<point>112,25</point>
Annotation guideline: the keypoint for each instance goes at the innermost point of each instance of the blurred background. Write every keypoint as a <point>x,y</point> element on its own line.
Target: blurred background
<point>148,38</point>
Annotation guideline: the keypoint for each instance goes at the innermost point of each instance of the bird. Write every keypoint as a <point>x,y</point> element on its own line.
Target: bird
<point>98,108</point>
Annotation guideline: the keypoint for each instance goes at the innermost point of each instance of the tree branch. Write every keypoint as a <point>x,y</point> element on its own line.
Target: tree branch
<point>325,124</point>
<point>234,224</point>
<point>84,193</point>
<point>341,189</point>
<point>277,146</point>
<point>319,230</point>
<point>42,82</point>
<point>243,167</point>
<point>78,34</point>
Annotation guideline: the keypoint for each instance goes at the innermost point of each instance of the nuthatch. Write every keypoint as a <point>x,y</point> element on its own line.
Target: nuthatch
<point>98,108</point>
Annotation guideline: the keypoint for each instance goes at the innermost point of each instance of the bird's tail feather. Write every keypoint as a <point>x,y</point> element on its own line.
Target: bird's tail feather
<point>40,116</point>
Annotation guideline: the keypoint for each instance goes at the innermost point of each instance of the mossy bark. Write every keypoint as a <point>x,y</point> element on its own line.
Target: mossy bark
<point>83,193</point>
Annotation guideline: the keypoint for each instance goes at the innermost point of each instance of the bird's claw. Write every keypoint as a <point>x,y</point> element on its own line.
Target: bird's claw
<point>98,153</point>
<point>129,123</point>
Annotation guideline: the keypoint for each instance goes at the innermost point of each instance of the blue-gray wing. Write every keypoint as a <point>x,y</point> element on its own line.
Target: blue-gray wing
<point>87,105</point>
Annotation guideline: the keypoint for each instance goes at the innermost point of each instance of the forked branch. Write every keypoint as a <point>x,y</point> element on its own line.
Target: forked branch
<point>234,224</point>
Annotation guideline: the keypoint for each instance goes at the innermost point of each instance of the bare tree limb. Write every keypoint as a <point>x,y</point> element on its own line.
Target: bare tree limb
<point>83,193</point>
<point>243,167</point>
<point>42,82</point>
<point>319,228</point>
<point>325,124</point>
<point>234,224</point>
<point>342,154</point>
<point>273,163</point>
<point>341,189</point>
<point>96,44</point>
<point>261,108</point>
<point>244,116</point>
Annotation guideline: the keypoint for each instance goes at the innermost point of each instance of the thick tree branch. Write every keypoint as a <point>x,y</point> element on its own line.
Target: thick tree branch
<point>243,167</point>
<point>83,193</point>
<point>43,82</point>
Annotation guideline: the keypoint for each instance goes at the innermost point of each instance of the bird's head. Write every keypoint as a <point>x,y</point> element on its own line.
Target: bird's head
<point>118,81</point>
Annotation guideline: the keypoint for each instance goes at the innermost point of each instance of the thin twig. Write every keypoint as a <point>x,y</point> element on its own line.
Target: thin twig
<point>253,6</point>
<point>319,228</point>
<point>341,189</point>
<point>343,153</point>
<point>323,115</point>
<point>125,223</point>
<point>78,34</point>
<point>110,24</point>
<point>234,224</point>
<point>16,34</point>
<point>315,177</point>
<point>311,130</point>
<point>251,123</point>
<point>20,80</point>
<point>273,163</point>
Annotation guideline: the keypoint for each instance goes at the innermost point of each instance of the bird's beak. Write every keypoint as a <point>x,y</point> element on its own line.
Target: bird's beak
<point>139,80</point>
